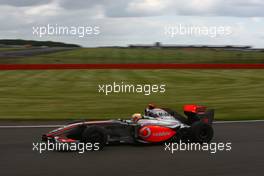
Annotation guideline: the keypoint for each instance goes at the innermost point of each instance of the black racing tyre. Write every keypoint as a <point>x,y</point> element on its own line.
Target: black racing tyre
<point>201,132</point>
<point>93,135</point>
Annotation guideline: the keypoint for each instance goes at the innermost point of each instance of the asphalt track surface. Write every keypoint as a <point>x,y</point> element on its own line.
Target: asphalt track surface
<point>245,158</point>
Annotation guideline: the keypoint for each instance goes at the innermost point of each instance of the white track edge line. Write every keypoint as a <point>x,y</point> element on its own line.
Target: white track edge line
<point>241,121</point>
<point>29,126</point>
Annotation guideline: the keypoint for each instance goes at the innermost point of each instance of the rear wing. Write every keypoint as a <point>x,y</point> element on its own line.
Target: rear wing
<point>199,113</point>
<point>207,117</point>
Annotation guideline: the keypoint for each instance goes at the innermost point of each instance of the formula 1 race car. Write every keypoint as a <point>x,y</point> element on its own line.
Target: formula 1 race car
<point>157,125</point>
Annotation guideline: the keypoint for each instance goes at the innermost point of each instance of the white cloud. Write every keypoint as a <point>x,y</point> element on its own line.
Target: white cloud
<point>51,9</point>
<point>147,6</point>
<point>135,21</point>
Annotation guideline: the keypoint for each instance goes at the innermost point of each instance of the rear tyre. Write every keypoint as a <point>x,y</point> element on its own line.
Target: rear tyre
<point>201,132</point>
<point>96,136</point>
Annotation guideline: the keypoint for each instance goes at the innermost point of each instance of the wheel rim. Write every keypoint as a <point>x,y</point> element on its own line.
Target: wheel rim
<point>204,133</point>
<point>96,137</point>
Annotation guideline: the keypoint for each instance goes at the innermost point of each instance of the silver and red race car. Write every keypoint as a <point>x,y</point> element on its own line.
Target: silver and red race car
<point>157,125</point>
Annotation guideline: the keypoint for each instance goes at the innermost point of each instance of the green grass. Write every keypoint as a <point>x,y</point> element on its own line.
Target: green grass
<point>73,94</point>
<point>119,55</point>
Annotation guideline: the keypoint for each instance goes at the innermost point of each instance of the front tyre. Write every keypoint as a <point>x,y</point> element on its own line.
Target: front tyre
<point>201,132</point>
<point>94,135</point>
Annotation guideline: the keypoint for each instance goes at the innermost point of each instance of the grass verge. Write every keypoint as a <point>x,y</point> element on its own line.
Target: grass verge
<point>150,55</point>
<point>73,94</point>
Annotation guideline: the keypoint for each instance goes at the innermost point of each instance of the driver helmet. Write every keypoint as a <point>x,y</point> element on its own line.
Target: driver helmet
<point>151,106</point>
<point>136,117</point>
